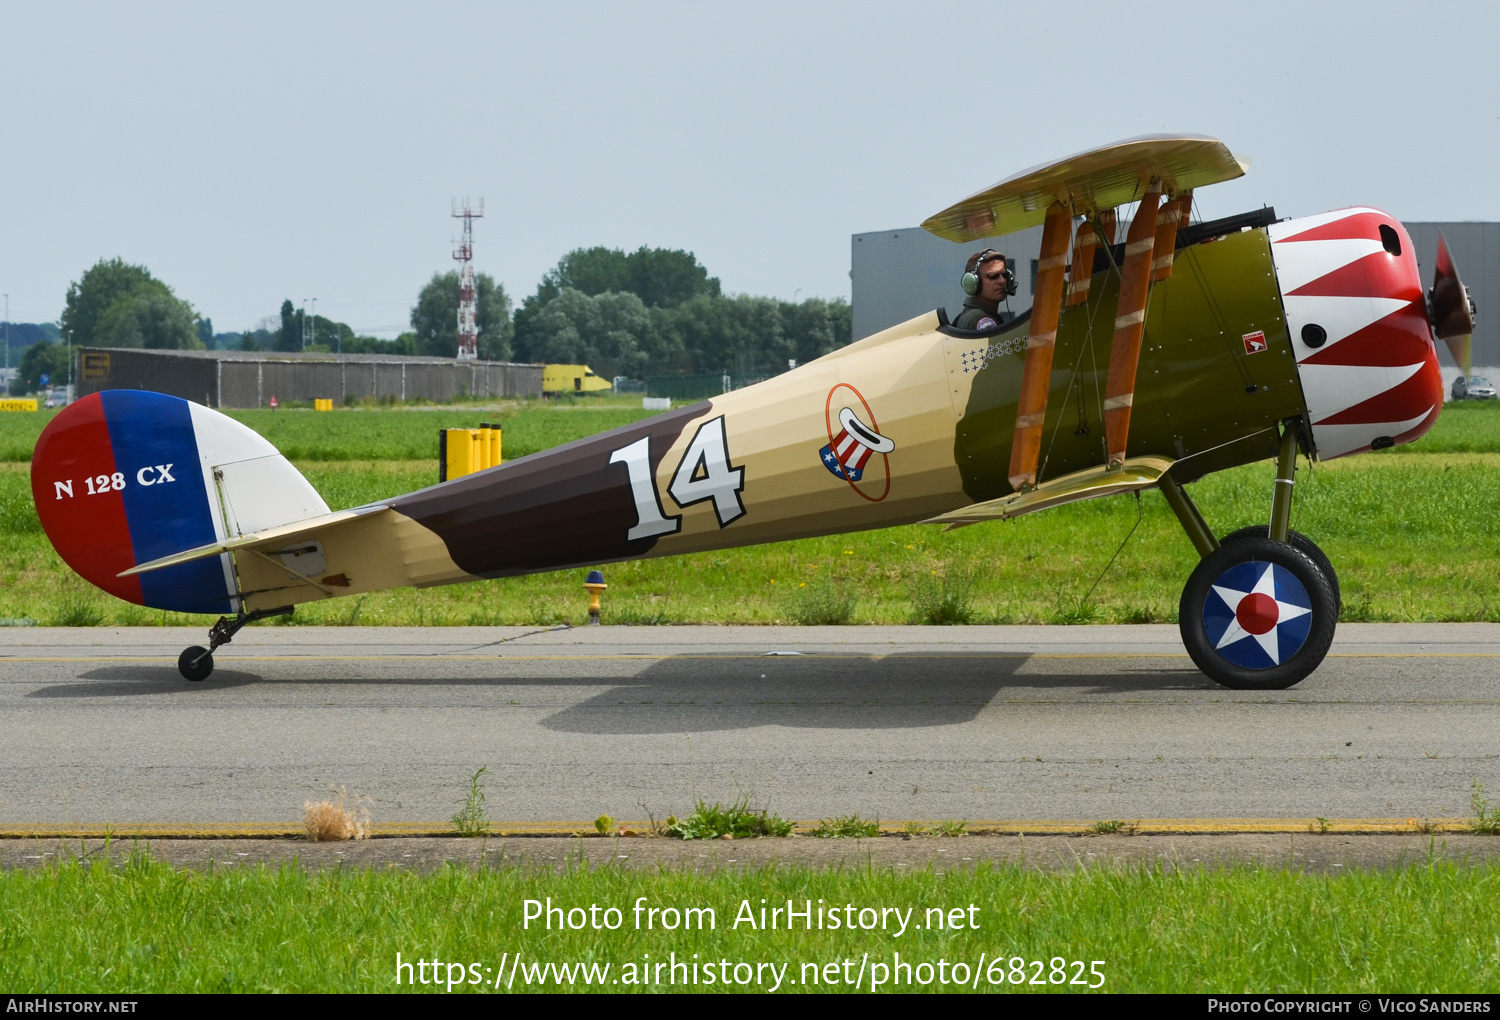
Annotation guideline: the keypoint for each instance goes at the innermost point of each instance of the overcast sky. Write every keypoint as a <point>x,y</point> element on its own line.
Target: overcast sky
<point>247,153</point>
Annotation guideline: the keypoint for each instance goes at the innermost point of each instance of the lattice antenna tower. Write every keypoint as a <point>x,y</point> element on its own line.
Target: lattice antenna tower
<point>468,324</point>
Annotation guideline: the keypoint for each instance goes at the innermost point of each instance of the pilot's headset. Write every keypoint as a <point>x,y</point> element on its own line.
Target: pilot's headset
<point>970,279</point>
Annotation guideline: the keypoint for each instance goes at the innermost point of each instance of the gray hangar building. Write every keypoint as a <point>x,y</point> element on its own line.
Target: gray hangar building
<point>243,379</point>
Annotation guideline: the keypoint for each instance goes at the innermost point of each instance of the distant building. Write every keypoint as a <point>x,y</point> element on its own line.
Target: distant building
<point>898,274</point>
<point>1475,247</point>
<point>244,379</point>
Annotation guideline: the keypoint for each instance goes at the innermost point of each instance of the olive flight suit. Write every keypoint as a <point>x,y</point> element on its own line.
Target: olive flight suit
<point>977,315</point>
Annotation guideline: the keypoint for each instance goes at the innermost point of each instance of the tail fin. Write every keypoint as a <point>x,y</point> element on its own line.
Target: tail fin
<point>125,476</point>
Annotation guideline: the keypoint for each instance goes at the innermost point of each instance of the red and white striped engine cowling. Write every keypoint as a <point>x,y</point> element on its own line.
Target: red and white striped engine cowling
<point>1358,322</point>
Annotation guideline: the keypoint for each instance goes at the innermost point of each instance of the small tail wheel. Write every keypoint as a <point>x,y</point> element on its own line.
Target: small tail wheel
<point>195,663</point>
<point>1300,542</point>
<point>1257,615</point>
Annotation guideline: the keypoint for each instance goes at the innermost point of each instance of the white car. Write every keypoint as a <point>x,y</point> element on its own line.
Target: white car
<point>1473,388</point>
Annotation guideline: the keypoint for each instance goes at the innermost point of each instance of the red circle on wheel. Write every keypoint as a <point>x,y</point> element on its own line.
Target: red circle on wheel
<point>1257,613</point>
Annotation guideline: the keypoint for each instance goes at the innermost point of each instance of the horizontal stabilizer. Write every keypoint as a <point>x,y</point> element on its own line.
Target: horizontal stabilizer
<point>1088,182</point>
<point>352,552</point>
<point>287,533</point>
<point>1136,473</point>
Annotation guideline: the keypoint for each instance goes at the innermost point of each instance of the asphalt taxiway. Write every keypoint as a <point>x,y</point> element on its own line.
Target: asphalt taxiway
<point>978,723</point>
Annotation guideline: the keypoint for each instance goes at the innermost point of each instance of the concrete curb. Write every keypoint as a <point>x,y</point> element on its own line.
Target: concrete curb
<point>640,829</point>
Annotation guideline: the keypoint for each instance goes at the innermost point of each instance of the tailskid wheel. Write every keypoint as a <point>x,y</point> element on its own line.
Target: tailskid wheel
<point>1258,614</point>
<point>1302,544</point>
<point>195,663</point>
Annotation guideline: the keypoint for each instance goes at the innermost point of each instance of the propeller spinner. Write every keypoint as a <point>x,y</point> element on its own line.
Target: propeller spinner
<point>1449,307</point>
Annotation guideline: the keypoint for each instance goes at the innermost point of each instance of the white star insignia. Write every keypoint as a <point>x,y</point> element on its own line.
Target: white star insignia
<point>1284,611</point>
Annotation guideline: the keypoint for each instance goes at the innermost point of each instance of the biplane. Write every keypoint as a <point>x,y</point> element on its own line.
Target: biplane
<point>1146,361</point>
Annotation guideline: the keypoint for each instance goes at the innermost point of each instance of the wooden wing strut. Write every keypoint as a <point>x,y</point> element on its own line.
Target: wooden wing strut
<point>1130,324</point>
<point>1174,215</point>
<point>1108,224</point>
<point>1082,273</point>
<point>1036,374</point>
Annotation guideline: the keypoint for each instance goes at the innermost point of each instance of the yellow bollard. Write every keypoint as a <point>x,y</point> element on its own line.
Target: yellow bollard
<point>491,434</point>
<point>459,449</point>
<point>465,451</point>
<point>594,584</point>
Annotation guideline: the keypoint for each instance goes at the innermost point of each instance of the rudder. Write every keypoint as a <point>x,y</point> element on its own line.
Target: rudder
<point>127,476</point>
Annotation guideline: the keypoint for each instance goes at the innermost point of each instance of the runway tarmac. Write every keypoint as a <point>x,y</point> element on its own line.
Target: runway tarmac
<point>981,723</point>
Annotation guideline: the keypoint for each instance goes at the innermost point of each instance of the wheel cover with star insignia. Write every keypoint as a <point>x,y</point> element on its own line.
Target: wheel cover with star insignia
<point>1257,615</point>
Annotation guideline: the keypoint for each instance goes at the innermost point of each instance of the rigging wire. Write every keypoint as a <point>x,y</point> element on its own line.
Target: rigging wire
<point>1140,513</point>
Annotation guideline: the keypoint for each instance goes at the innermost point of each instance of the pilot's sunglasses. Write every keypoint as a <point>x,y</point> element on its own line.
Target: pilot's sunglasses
<point>995,276</point>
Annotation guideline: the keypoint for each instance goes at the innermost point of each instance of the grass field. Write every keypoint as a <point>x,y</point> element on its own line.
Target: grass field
<point>1413,532</point>
<point>147,927</point>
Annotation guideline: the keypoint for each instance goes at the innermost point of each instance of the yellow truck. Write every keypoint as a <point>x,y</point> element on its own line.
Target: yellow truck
<point>572,379</point>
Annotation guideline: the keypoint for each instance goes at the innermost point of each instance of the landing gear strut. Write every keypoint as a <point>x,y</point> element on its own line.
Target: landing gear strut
<point>197,662</point>
<point>1259,610</point>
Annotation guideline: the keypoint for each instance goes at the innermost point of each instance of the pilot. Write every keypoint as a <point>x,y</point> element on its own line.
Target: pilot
<point>988,281</point>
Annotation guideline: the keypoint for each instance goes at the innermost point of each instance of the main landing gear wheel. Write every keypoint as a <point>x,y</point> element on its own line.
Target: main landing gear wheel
<point>1257,615</point>
<point>1302,544</point>
<point>195,663</point>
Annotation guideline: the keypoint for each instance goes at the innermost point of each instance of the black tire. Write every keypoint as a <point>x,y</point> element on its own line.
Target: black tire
<point>195,663</point>
<point>1300,592</point>
<point>1302,544</point>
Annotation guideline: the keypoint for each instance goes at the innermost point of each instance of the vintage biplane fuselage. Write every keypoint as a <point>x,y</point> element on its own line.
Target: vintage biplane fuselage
<point>1176,351</point>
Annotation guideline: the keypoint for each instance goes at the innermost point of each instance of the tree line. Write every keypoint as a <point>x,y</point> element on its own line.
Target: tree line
<point>645,313</point>
<point>658,312</point>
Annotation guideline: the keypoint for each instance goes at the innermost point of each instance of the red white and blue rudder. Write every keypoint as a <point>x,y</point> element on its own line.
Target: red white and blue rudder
<point>123,477</point>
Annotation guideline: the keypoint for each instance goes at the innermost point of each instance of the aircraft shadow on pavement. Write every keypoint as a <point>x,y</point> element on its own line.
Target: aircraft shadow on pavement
<point>126,681</point>
<point>889,692</point>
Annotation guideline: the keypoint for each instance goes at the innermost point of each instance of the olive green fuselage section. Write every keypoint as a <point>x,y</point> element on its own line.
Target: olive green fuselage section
<point>1202,398</point>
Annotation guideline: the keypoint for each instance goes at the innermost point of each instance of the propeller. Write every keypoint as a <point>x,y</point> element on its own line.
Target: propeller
<point>1450,309</point>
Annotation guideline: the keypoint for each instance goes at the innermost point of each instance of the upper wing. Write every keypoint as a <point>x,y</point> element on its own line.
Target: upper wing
<point>1088,182</point>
